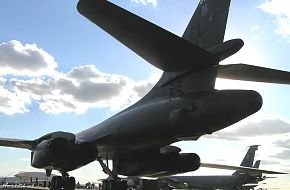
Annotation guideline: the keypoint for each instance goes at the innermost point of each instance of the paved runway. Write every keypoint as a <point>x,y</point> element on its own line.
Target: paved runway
<point>22,188</point>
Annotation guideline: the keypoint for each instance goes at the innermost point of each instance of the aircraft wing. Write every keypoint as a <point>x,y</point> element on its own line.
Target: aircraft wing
<point>253,73</point>
<point>156,45</point>
<point>239,168</point>
<point>17,143</point>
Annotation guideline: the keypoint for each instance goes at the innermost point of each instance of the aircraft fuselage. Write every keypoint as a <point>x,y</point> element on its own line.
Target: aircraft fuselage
<point>167,120</point>
<point>216,182</point>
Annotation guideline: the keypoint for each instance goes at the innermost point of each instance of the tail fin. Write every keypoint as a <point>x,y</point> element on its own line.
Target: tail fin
<point>257,164</point>
<point>208,23</point>
<point>249,158</point>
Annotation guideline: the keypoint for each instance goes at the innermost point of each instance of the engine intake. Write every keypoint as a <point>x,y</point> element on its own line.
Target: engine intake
<point>60,152</point>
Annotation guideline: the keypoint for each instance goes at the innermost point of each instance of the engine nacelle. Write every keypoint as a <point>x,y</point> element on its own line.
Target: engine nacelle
<point>59,151</point>
<point>52,151</point>
<point>157,165</point>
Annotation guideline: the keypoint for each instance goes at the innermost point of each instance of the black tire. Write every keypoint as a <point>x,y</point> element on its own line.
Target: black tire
<point>105,185</point>
<point>58,183</point>
<point>52,183</point>
<point>72,183</point>
<point>113,185</point>
<point>123,185</point>
<point>69,183</point>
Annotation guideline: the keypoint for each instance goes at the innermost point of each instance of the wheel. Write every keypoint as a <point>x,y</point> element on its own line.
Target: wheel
<point>72,183</point>
<point>110,185</point>
<point>118,185</point>
<point>58,183</point>
<point>52,183</point>
<point>105,185</point>
<point>69,183</point>
<point>123,185</point>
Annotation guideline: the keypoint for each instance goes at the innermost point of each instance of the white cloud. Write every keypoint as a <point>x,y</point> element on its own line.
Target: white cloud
<point>280,9</point>
<point>11,103</point>
<point>35,80</point>
<point>145,2</point>
<point>19,59</point>
<point>284,143</point>
<point>142,87</point>
<point>76,91</point>
<point>265,127</point>
<point>285,154</point>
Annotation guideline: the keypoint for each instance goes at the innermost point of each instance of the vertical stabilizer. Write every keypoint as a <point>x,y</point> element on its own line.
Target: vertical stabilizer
<point>208,23</point>
<point>249,158</point>
<point>257,164</point>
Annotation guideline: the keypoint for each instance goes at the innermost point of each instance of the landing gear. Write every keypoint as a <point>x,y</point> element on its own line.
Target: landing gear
<point>62,182</point>
<point>113,182</point>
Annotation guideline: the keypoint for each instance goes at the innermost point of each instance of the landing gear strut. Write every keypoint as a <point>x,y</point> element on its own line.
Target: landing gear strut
<point>63,182</point>
<point>113,182</point>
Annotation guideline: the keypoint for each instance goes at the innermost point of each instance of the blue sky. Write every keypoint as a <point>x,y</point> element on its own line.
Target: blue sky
<point>60,51</point>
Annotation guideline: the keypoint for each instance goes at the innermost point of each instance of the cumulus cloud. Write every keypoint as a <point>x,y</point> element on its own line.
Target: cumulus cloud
<point>269,162</point>
<point>145,2</point>
<point>264,127</point>
<point>280,9</point>
<point>284,155</point>
<point>25,59</point>
<point>284,143</point>
<point>145,86</point>
<point>11,103</point>
<point>36,80</point>
<point>74,91</point>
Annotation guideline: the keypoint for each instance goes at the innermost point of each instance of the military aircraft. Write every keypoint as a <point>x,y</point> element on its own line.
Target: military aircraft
<point>238,180</point>
<point>183,105</point>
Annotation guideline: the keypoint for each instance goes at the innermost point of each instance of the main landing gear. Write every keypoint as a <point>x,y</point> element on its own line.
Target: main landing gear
<point>113,182</point>
<point>63,182</point>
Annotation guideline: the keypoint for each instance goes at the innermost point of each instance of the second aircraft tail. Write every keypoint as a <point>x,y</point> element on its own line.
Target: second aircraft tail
<point>249,158</point>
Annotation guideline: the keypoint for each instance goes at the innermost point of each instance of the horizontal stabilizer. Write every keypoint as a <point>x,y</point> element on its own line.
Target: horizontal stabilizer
<point>239,168</point>
<point>226,49</point>
<point>17,143</point>
<point>253,73</point>
<point>159,47</point>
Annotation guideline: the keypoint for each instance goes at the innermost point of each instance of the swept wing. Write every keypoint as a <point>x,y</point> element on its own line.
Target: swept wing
<point>159,47</point>
<point>239,168</point>
<point>18,143</point>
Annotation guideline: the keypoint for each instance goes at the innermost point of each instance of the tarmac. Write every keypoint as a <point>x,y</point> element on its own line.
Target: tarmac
<point>22,188</point>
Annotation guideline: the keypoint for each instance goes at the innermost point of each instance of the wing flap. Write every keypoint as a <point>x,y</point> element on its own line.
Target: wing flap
<point>17,143</point>
<point>159,47</point>
<point>253,73</point>
<point>239,168</point>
